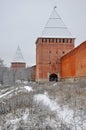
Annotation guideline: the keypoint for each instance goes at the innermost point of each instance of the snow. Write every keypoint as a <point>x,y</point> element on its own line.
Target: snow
<point>18,56</point>
<point>45,100</point>
<point>25,82</point>
<point>16,90</point>
<point>14,121</point>
<point>55,27</point>
<point>63,112</point>
<point>3,95</point>
<point>25,115</point>
<point>28,88</point>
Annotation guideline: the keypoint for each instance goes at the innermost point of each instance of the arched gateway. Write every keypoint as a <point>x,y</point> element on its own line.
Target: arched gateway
<point>53,77</point>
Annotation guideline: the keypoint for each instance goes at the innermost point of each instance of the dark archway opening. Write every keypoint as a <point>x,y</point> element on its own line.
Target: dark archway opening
<point>53,77</point>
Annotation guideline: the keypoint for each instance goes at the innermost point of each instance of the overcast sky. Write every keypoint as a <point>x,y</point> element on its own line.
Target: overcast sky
<point>22,22</point>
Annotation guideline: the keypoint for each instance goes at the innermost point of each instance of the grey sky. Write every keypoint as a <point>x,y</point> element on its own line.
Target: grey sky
<point>22,21</point>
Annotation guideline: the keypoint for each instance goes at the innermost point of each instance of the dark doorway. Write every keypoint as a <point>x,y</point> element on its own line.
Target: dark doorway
<point>53,77</point>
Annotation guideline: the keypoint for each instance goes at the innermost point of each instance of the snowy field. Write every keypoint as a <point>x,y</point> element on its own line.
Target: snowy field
<point>50,108</point>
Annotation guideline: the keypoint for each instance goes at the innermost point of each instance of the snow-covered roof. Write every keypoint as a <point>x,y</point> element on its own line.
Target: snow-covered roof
<point>18,56</point>
<point>55,27</point>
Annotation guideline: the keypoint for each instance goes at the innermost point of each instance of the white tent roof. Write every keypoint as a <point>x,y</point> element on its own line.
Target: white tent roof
<point>55,27</point>
<point>18,56</point>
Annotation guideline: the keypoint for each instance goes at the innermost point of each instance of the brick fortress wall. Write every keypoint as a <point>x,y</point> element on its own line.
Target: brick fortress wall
<point>73,64</point>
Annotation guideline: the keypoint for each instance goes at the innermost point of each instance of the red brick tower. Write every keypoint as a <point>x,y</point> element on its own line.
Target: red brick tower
<point>55,41</point>
<point>18,61</point>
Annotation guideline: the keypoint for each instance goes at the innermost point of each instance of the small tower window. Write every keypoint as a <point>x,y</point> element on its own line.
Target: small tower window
<point>70,40</point>
<point>63,40</point>
<point>49,40</point>
<point>42,39</point>
<point>67,40</point>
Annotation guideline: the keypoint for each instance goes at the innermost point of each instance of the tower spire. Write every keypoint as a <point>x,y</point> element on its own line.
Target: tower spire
<point>18,56</point>
<point>55,27</point>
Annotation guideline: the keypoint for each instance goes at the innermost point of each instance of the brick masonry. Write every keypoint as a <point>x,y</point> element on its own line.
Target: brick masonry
<point>73,64</point>
<point>48,54</point>
<point>17,65</point>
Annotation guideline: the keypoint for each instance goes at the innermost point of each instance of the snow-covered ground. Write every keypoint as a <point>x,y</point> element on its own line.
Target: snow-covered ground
<point>66,118</point>
<point>28,88</point>
<point>63,112</point>
<point>5,94</point>
<point>13,122</point>
<point>15,91</point>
